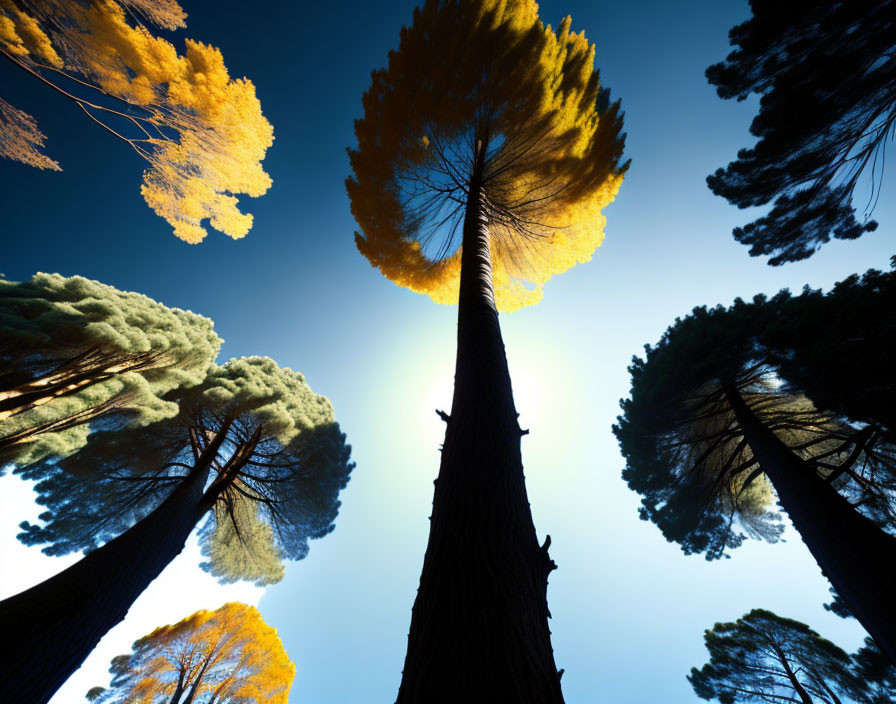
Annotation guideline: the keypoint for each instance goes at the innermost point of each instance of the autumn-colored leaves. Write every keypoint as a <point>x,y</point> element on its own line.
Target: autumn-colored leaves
<point>489,74</point>
<point>227,655</point>
<point>202,132</point>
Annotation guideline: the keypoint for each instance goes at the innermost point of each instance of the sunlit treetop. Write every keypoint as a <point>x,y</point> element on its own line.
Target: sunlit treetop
<point>201,131</point>
<point>489,75</point>
<point>76,352</point>
<point>226,656</point>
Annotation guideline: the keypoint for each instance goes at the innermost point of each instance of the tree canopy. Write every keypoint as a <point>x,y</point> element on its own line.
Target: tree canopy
<point>763,657</point>
<point>877,671</point>
<point>77,354</point>
<point>850,374</point>
<point>486,75</point>
<point>276,476</point>
<point>686,453</point>
<point>827,108</point>
<point>202,132</point>
<point>226,656</point>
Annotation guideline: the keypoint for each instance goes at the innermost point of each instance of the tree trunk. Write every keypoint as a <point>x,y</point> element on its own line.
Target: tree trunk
<point>50,629</point>
<point>479,630</point>
<point>794,682</point>
<point>854,554</point>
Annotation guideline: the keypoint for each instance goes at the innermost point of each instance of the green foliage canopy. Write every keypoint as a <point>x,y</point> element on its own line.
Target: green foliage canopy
<point>763,657</point>
<point>687,456</point>
<point>74,351</point>
<point>276,478</point>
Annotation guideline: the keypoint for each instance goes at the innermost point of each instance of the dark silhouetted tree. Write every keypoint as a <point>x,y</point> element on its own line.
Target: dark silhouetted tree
<point>485,155</point>
<point>74,352</point>
<point>226,656</point>
<point>877,671</point>
<point>253,452</point>
<point>838,347</point>
<point>825,74</point>
<point>763,657</point>
<point>711,437</point>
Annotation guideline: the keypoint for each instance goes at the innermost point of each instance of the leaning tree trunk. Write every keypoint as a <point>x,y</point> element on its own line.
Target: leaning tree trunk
<point>855,555</point>
<point>50,629</point>
<point>479,629</point>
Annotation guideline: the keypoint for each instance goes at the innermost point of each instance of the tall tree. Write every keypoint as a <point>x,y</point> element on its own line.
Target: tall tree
<point>201,132</point>
<point>226,656</point>
<point>485,155</point>
<point>710,436</point>
<point>763,657</point>
<point>253,452</point>
<point>75,351</point>
<point>825,74</point>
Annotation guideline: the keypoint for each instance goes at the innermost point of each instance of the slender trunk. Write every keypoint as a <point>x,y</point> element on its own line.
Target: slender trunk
<point>819,679</point>
<point>179,689</point>
<point>199,678</point>
<point>853,553</point>
<point>794,682</point>
<point>60,621</point>
<point>479,629</point>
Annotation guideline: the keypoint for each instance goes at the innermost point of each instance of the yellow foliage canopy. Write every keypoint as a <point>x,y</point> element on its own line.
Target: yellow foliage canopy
<point>202,132</point>
<point>490,73</point>
<point>228,655</point>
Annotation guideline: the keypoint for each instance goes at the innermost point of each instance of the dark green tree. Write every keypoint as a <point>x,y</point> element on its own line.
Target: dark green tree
<point>711,437</point>
<point>252,452</point>
<point>877,671</point>
<point>825,74</point>
<point>838,346</point>
<point>75,352</point>
<point>763,657</point>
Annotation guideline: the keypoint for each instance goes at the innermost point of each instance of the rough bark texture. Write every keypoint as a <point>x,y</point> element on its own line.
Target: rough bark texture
<point>57,623</point>
<point>854,554</point>
<point>479,629</point>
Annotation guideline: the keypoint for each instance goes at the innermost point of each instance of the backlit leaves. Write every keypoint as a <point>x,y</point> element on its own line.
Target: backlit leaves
<point>227,656</point>
<point>491,74</point>
<point>201,131</point>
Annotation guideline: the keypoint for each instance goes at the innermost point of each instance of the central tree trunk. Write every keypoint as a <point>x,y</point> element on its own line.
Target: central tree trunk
<point>50,629</point>
<point>855,554</point>
<point>479,629</point>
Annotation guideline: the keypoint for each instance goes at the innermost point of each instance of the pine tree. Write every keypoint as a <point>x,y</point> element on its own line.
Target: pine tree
<point>827,108</point>
<point>763,657</point>
<point>711,436</point>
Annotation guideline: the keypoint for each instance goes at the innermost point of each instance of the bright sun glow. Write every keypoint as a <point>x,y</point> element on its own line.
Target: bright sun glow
<point>527,395</point>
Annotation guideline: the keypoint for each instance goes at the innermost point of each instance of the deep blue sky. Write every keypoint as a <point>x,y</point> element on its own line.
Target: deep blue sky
<point>629,609</point>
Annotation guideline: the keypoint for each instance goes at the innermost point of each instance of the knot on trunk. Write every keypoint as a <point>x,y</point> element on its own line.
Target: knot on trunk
<point>444,416</point>
<point>548,564</point>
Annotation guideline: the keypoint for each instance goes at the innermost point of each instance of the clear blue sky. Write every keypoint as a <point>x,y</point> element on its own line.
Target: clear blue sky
<point>629,609</point>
